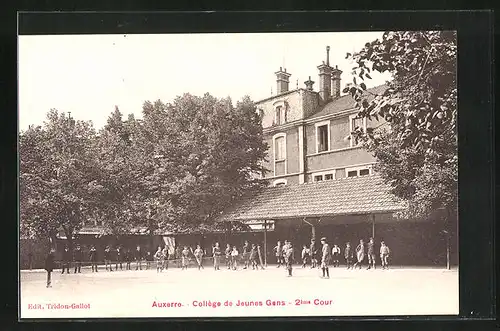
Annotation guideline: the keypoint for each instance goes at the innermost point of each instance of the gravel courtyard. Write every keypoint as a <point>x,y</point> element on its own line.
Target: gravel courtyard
<point>208,293</point>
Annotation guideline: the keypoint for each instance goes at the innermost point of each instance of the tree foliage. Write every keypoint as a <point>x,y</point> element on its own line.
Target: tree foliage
<point>417,150</point>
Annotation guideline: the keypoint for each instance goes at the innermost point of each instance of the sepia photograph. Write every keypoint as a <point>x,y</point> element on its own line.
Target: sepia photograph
<point>238,175</point>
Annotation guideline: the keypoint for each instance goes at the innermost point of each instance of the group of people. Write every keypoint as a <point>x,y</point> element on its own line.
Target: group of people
<point>315,254</point>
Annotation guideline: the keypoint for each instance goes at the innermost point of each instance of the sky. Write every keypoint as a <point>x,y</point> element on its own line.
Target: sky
<point>88,75</point>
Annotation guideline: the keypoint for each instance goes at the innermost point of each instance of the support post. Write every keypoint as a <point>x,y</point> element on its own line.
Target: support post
<point>265,243</point>
<point>373,225</point>
<point>447,229</point>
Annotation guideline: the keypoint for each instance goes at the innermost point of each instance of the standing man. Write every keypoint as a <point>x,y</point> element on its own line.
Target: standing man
<point>216,252</point>
<point>49,265</point>
<point>234,258</point>
<point>185,257</point>
<point>158,258</point>
<point>93,258</point>
<point>384,255</point>
<point>107,258</point>
<point>165,257</point>
<point>198,254</point>
<point>349,255</point>
<point>371,254</point>
<point>336,254</point>
<point>259,254</point>
<point>228,256</point>
<point>278,249</point>
<point>325,258</point>
<point>245,254</point>
<point>128,258</point>
<point>288,257</point>
<point>66,260</point>
<point>313,250</point>
<point>138,258</point>
<point>119,258</point>
<point>78,257</point>
<point>360,254</point>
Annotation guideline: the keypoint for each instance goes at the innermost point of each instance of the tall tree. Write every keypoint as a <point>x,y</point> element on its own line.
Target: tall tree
<point>57,171</point>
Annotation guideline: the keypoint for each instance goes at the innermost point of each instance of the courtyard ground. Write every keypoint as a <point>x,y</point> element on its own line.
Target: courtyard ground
<point>192,293</point>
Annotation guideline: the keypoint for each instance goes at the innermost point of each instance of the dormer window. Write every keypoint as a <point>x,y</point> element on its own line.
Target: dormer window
<point>322,136</point>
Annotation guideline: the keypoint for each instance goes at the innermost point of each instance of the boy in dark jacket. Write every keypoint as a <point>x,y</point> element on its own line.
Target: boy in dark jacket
<point>66,257</point>
<point>78,257</point>
<point>49,265</point>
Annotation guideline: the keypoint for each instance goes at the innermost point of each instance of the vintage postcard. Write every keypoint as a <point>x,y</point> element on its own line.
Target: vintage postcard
<point>238,175</point>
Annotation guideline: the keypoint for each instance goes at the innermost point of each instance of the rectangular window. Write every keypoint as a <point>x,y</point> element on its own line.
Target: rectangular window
<point>364,172</point>
<point>356,123</point>
<point>279,148</point>
<point>318,178</point>
<point>353,173</point>
<point>280,117</point>
<point>328,176</point>
<point>322,138</point>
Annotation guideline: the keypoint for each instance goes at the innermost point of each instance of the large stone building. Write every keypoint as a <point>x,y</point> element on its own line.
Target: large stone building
<point>322,182</point>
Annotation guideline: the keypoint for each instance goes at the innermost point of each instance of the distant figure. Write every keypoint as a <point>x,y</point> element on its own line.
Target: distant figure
<point>119,255</point>
<point>164,255</point>
<point>289,257</point>
<point>93,258</point>
<point>384,255</point>
<point>348,255</point>
<point>304,255</point>
<point>107,258</point>
<point>78,258</point>
<point>335,255</point>
<point>245,254</point>
<point>253,257</point>
<point>228,256</point>
<point>138,258</point>
<point>216,252</point>
<point>313,251</point>
<point>185,256</point>
<point>158,256</point>
<point>49,266</point>
<point>360,254</point>
<point>234,258</point>
<point>278,251</point>
<point>128,258</point>
<point>66,257</point>
<point>325,258</point>
<point>198,254</point>
<point>371,253</point>
<point>149,259</point>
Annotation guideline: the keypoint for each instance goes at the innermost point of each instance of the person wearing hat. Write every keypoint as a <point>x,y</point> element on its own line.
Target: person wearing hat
<point>78,257</point>
<point>325,258</point>
<point>288,249</point>
<point>66,257</point>
<point>313,251</point>
<point>348,255</point>
<point>93,258</point>
<point>49,265</point>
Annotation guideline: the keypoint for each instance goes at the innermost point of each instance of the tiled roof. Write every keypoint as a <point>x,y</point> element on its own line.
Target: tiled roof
<point>348,196</point>
<point>347,102</point>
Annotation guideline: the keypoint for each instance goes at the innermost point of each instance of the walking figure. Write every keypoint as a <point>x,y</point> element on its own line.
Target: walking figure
<point>216,252</point>
<point>325,258</point>
<point>288,257</point>
<point>371,253</point>
<point>93,258</point>
<point>234,258</point>
<point>313,251</point>
<point>78,257</point>
<point>198,254</point>
<point>335,255</point>
<point>360,254</point>
<point>158,258</point>
<point>384,255</point>
<point>107,258</point>
<point>228,256</point>
<point>49,266</point>
<point>119,258</point>
<point>305,254</point>
<point>184,258</point>
<point>348,255</point>
<point>278,249</point>
<point>66,260</point>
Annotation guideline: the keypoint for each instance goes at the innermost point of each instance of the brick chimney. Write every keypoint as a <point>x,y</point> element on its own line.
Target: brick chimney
<point>325,78</point>
<point>309,84</point>
<point>336,82</point>
<point>282,81</point>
